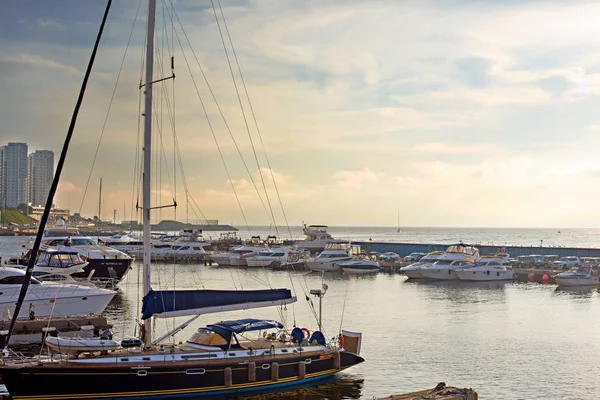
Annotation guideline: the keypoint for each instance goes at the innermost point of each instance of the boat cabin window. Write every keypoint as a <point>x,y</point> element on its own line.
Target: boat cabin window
<point>206,337</point>
<point>17,280</point>
<point>443,262</point>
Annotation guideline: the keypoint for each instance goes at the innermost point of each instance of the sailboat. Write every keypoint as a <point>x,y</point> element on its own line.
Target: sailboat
<point>215,361</point>
<point>398,230</point>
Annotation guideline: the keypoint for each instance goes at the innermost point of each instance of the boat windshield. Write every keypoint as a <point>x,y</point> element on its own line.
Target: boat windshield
<point>580,269</point>
<point>443,262</point>
<point>206,337</point>
<point>59,260</point>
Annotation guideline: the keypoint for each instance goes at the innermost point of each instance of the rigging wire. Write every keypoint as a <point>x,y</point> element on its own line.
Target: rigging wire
<point>237,92</point>
<point>109,108</point>
<point>212,131</point>
<point>219,109</point>
<point>254,116</point>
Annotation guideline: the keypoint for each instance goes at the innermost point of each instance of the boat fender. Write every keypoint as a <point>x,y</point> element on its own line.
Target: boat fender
<point>306,332</point>
<point>341,341</point>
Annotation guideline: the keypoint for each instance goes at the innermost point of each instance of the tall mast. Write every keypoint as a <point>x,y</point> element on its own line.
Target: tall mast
<point>147,159</point>
<point>100,203</point>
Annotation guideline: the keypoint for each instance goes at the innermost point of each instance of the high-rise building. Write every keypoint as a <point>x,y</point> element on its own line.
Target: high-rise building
<point>40,171</point>
<point>13,173</point>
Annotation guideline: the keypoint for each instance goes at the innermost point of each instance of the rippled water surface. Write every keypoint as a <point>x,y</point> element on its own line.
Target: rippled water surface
<point>506,340</point>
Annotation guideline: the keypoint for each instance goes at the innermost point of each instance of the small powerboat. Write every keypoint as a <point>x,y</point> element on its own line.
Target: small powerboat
<point>578,275</point>
<point>359,266</point>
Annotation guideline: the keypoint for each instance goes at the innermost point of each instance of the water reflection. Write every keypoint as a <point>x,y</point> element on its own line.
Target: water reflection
<point>335,388</point>
<point>464,291</point>
<point>473,285</point>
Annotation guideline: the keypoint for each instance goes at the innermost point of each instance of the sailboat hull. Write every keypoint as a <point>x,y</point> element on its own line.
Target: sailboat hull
<point>168,379</point>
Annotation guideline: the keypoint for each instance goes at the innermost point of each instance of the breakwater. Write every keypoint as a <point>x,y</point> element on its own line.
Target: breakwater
<point>404,249</point>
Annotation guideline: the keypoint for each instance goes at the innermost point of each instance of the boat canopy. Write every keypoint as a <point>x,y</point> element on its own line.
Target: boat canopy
<point>177,303</point>
<point>246,325</point>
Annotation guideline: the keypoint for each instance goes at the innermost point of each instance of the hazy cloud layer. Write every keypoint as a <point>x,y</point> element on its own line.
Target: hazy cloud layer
<point>474,114</point>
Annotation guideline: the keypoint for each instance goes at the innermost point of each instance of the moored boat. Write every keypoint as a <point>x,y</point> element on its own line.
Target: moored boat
<point>360,265</point>
<point>219,360</point>
<point>487,269</point>
<point>335,251</point>
<point>578,275</point>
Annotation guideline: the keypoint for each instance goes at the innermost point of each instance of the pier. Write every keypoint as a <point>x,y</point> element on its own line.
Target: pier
<point>32,331</point>
<point>404,249</point>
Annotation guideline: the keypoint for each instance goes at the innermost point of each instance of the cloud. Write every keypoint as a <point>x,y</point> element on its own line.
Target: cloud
<point>433,148</point>
<point>470,114</point>
<point>358,179</point>
<point>43,23</point>
<point>69,187</point>
<point>38,62</point>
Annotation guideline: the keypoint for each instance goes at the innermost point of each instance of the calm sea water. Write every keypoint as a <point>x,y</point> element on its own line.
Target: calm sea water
<point>554,237</point>
<point>506,340</point>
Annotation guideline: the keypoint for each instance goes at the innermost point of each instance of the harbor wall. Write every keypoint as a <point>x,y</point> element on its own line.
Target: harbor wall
<point>404,249</point>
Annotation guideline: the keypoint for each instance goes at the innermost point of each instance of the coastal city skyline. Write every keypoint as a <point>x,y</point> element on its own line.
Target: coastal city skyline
<point>363,118</point>
<point>25,178</point>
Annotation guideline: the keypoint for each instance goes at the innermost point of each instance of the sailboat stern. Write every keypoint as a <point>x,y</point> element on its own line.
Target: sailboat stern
<point>351,341</point>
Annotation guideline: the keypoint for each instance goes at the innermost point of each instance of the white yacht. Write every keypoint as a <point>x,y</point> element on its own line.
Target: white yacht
<point>118,239</point>
<point>54,265</point>
<point>486,269</point>
<point>237,255</point>
<point>45,299</point>
<point>360,265</point>
<point>240,255</point>
<point>109,265</point>
<point>443,269</point>
<point>579,275</point>
<point>413,271</point>
<point>334,252</point>
<point>456,256</point>
<point>276,257</point>
<point>316,238</point>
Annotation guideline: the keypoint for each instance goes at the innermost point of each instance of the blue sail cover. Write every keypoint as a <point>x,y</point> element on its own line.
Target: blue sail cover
<point>176,303</point>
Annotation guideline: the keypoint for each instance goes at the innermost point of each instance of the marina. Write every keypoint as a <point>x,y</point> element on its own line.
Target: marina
<point>142,305</point>
<point>473,331</point>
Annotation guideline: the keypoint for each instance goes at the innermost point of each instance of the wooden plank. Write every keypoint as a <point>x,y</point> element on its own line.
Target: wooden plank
<point>440,392</point>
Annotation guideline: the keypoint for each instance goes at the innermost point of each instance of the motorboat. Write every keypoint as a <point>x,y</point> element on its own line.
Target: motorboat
<point>316,238</point>
<point>45,299</point>
<point>360,265</point>
<point>578,275</point>
<point>109,265</point>
<point>276,257</point>
<point>456,256</point>
<point>444,269</point>
<point>241,254</point>
<point>487,269</point>
<point>413,271</point>
<point>225,359</point>
<point>175,251</point>
<point>335,251</point>
<point>119,239</point>
<point>237,255</point>
<point>54,265</point>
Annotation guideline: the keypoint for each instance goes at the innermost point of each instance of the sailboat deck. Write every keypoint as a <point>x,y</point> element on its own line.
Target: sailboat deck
<point>178,354</point>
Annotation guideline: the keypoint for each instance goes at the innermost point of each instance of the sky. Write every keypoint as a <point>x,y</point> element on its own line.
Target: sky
<point>437,113</point>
